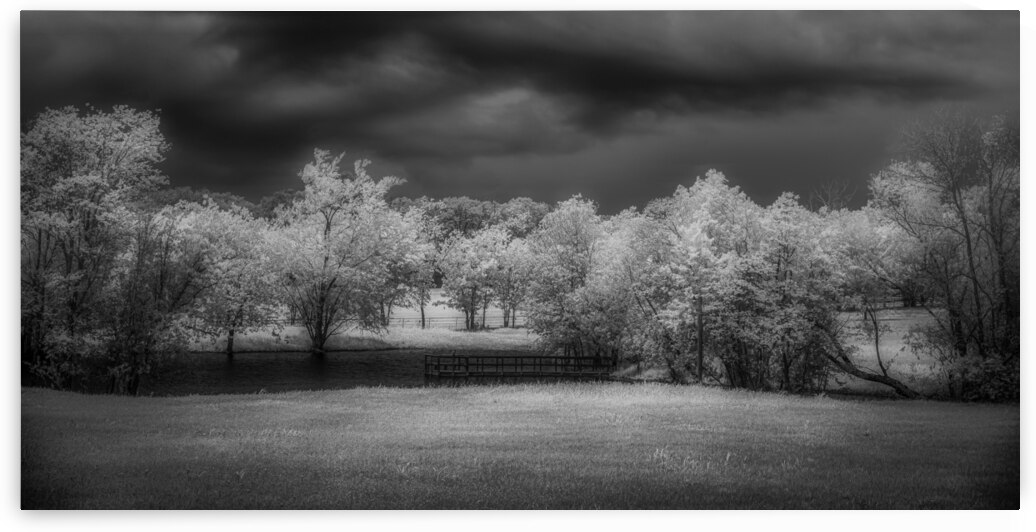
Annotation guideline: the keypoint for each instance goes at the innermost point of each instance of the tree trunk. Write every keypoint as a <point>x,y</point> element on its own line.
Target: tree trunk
<point>134,384</point>
<point>230,343</point>
<point>701,342</point>
<point>319,338</point>
<point>960,343</point>
<point>841,360</point>
<point>868,311</point>
<point>980,331</point>
<point>785,371</point>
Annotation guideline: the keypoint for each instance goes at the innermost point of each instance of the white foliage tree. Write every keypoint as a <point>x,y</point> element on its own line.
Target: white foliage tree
<point>243,295</point>
<point>79,173</point>
<point>333,248</point>
<point>470,267</point>
<point>511,280</point>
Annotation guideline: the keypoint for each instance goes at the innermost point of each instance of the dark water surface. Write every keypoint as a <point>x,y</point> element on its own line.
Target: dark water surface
<point>213,373</point>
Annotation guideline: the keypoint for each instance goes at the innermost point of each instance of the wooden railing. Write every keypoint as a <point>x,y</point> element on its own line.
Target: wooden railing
<point>499,366</point>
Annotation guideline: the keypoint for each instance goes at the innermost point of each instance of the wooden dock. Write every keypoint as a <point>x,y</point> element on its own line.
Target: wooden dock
<point>465,367</point>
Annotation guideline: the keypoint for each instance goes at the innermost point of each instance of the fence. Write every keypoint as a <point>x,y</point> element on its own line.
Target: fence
<point>454,322</point>
<point>887,302</point>
<point>439,322</point>
<point>494,366</point>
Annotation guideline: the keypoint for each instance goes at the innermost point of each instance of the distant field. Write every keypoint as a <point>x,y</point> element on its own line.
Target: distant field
<point>448,317</point>
<point>294,338</point>
<point>603,445</point>
<point>403,333</point>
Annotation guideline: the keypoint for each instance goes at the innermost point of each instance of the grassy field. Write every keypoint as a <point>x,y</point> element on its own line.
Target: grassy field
<point>605,445</point>
<point>294,338</point>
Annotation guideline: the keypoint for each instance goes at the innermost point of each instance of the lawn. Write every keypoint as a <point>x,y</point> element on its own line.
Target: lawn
<point>589,445</point>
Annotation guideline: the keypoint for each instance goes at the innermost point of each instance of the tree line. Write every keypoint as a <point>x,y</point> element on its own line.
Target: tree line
<point>118,271</point>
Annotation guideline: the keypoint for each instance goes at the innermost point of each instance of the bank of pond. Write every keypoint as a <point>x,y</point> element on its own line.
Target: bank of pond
<point>208,373</point>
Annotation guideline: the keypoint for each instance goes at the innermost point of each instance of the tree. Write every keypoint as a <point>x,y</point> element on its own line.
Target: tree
<point>873,258</point>
<point>423,280</point>
<point>694,241</point>
<point>756,291</point>
<point>602,322</point>
<point>224,200</point>
<point>758,283</point>
<point>242,296</point>
<point>833,195</point>
<point>158,278</point>
<point>78,170</point>
<point>333,248</point>
<point>423,271</point>
<point>461,216</point>
<point>671,291</point>
<point>519,216</point>
<point>511,280</point>
<point>425,266</point>
<point>957,197</point>
<point>470,266</point>
<point>564,247</point>
<point>282,199</point>
<point>409,276</point>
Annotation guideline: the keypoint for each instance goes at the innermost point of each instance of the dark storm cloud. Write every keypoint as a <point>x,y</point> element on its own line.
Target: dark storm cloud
<point>617,63</point>
<point>483,103</point>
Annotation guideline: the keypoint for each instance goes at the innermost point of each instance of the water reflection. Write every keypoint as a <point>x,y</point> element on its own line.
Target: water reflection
<point>212,373</point>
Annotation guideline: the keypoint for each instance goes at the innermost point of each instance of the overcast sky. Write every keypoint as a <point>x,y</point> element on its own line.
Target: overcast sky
<point>621,107</point>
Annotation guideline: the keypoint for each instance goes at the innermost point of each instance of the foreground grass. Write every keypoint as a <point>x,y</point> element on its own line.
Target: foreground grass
<point>529,446</point>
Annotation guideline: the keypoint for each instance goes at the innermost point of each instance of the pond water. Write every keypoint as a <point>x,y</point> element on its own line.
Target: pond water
<point>213,373</point>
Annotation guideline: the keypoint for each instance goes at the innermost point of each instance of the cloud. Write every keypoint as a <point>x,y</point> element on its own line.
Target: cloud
<point>139,56</point>
<point>445,96</point>
<point>613,64</point>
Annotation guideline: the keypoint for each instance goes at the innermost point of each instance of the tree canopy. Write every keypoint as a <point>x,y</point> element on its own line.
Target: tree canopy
<point>118,271</point>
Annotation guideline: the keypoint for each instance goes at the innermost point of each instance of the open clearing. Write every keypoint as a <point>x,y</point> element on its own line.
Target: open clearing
<point>293,338</point>
<point>597,445</point>
<point>400,335</point>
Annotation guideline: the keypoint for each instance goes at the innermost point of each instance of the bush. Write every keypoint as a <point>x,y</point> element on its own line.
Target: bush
<point>969,377</point>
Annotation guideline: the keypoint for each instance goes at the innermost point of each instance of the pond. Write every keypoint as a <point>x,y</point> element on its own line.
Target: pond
<point>213,373</point>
